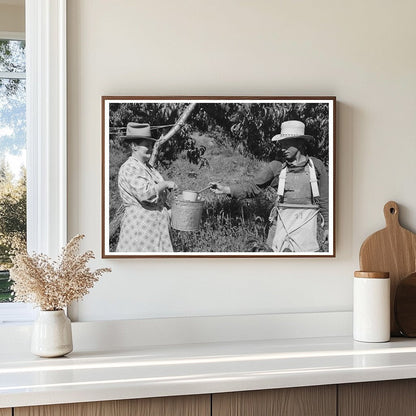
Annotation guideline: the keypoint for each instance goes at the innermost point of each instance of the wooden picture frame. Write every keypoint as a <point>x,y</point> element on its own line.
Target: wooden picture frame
<point>269,163</point>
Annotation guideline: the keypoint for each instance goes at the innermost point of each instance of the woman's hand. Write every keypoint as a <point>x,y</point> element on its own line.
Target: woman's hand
<point>170,185</point>
<point>219,189</point>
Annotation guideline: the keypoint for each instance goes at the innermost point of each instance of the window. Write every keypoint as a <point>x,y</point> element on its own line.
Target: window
<point>46,134</point>
<point>12,165</point>
<point>12,153</point>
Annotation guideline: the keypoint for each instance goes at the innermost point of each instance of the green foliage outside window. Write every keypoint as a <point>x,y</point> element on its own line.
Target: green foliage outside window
<point>12,148</point>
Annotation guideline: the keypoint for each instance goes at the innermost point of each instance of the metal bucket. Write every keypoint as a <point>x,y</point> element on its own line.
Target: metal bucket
<point>186,215</point>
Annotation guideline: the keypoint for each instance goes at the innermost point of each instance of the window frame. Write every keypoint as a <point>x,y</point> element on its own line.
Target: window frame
<point>46,125</point>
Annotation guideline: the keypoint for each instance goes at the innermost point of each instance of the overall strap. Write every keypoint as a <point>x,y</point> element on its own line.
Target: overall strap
<point>282,181</point>
<point>313,179</point>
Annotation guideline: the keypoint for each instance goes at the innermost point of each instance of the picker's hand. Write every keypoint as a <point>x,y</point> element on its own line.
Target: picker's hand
<point>170,185</point>
<point>219,189</point>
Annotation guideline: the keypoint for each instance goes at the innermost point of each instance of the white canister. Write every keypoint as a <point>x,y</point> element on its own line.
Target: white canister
<point>371,310</point>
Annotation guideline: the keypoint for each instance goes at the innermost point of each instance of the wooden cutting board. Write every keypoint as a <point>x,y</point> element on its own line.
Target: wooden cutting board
<point>405,306</point>
<point>393,250</point>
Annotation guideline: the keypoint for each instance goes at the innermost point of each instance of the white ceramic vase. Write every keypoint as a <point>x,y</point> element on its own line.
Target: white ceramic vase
<point>52,334</point>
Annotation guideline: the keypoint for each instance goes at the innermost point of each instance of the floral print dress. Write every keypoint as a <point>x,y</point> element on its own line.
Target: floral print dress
<point>145,223</point>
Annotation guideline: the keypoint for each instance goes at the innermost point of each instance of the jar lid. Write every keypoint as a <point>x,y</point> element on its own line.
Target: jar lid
<point>372,275</point>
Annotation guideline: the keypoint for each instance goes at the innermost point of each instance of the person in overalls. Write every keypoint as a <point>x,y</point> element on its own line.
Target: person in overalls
<point>302,193</point>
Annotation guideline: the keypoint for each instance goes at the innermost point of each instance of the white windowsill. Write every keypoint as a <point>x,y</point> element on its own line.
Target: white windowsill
<point>16,313</point>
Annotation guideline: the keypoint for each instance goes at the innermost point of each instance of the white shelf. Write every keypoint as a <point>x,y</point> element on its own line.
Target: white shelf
<point>151,371</point>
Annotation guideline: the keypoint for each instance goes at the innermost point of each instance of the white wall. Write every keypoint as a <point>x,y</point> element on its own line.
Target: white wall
<point>363,52</point>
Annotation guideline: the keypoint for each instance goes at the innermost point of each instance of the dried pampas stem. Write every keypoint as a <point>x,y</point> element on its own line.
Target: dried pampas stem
<point>53,285</point>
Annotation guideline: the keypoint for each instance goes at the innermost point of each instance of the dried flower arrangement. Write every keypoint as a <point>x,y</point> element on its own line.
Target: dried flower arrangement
<point>53,285</point>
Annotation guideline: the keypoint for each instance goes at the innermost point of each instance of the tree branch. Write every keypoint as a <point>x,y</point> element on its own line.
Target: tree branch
<point>172,131</point>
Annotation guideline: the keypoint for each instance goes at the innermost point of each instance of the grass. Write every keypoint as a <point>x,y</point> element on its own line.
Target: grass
<point>227,225</point>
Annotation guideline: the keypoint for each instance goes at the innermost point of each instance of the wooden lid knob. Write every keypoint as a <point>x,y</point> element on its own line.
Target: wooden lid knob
<point>372,275</point>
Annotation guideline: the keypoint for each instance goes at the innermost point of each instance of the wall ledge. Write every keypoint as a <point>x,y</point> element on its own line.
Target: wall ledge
<point>189,330</point>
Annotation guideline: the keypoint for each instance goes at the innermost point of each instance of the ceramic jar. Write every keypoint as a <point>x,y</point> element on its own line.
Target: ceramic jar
<point>371,306</point>
<point>52,334</point>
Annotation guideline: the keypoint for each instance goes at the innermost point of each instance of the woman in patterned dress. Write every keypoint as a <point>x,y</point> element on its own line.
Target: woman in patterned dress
<point>146,220</point>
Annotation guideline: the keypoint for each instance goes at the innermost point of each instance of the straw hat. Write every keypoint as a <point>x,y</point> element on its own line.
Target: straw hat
<point>136,131</point>
<point>292,129</point>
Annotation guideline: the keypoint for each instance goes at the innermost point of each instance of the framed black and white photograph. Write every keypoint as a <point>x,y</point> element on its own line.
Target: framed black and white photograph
<point>218,177</point>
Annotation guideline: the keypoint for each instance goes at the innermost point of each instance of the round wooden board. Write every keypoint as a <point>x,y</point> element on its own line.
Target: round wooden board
<point>405,305</point>
<point>393,250</point>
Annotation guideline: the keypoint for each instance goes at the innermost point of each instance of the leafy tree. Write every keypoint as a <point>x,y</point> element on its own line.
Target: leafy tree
<point>12,56</point>
<point>12,213</point>
<point>12,97</point>
<point>249,127</point>
<point>160,116</point>
<point>12,141</point>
